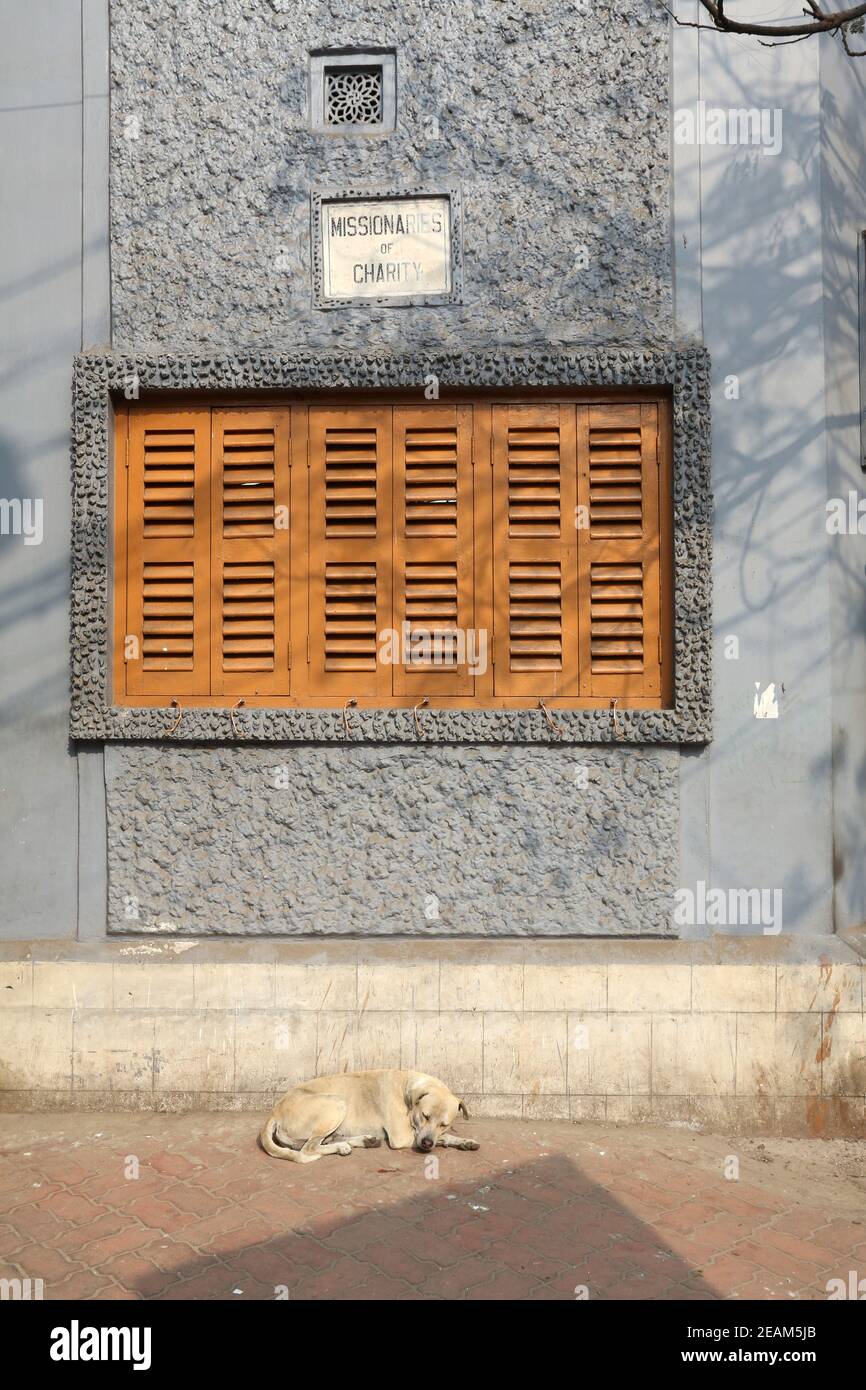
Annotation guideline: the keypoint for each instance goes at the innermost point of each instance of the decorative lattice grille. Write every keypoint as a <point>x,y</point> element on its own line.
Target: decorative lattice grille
<point>353,96</point>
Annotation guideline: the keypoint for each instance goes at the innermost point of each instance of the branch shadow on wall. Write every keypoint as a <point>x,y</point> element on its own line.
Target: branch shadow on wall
<point>779,451</point>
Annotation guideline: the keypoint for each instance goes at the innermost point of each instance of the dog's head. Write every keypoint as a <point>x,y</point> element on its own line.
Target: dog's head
<point>432,1110</point>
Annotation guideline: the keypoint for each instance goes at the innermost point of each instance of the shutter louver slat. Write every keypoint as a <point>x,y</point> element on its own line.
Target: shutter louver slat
<point>431,482</point>
<point>434,602</point>
<point>349,551</point>
<point>248,609</point>
<point>535,551</point>
<point>168,552</point>
<point>248,482</point>
<point>616,618</point>
<point>169,483</point>
<point>534,494</point>
<point>250,629</point>
<point>547,524</point>
<point>615,481</point>
<point>350,617</point>
<point>350,482</point>
<point>535,617</point>
<point>619,552</point>
<point>167,609</point>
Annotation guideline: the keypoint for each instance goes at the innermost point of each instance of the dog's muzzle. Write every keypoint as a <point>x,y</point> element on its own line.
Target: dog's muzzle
<point>425,1144</point>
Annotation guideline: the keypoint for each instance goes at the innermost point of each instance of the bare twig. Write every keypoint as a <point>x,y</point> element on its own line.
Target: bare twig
<point>816,21</point>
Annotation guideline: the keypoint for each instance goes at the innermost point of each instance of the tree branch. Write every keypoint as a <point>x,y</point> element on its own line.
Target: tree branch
<point>818,21</point>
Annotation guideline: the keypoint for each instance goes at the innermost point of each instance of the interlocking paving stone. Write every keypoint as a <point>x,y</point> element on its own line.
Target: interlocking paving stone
<point>542,1209</point>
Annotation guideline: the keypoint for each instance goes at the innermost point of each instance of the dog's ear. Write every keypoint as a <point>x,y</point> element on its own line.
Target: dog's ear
<point>415,1094</point>
<point>463,1111</point>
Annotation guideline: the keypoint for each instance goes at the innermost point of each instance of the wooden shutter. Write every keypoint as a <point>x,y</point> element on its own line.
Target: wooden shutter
<point>534,550</point>
<point>168,552</point>
<point>251,489</point>
<point>433,549</point>
<point>349,551</point>
<point>619,550</point>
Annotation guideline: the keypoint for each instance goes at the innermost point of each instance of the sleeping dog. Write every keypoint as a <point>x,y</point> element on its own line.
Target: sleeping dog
<point>358,1109</point>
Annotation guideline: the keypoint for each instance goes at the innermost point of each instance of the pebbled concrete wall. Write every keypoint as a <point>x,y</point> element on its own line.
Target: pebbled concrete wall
<point>554,122</point>
<point>555,127</point>
<point>383,841</point>
<point>685,374</point>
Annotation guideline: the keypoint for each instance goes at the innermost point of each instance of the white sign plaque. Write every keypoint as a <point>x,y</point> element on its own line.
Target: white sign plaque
<point>386,248</point>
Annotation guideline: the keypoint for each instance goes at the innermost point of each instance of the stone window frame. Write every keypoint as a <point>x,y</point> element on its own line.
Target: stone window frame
<point>101,377</point>
<point>323,59</point>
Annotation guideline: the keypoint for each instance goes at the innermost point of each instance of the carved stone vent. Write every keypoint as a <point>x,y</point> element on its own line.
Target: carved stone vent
<point>353,96</point>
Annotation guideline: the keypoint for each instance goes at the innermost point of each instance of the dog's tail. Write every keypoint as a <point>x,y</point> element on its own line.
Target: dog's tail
<point>268,1143</point>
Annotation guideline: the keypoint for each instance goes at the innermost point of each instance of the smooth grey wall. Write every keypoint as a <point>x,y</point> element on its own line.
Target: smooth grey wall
<point>843,205</point>
<point>55,299</point>
<point>756,806</point>
<point>40,329</point>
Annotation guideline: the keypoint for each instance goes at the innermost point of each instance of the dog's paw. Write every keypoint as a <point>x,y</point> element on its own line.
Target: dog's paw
<point>371,1141</point>
<point>469,1144</point>
<point>344,1150</point>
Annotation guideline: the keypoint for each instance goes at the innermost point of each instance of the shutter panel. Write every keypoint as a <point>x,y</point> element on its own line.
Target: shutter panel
<point>535,550</point>
<point>433,549</point>
<point>251,492</point>
<point>168,552</point>
<point>349,551</point>
<point>618,488</point>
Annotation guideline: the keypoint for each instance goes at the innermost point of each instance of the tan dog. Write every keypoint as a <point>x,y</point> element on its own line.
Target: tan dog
<point>357,1110</point>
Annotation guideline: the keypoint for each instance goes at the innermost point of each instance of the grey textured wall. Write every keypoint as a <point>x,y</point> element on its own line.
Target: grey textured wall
<point>554,122</point>
<point>286,840</point>
<point>555,126</point>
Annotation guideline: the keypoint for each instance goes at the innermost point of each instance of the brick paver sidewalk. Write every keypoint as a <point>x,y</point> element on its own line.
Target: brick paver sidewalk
<point>542,1209</point>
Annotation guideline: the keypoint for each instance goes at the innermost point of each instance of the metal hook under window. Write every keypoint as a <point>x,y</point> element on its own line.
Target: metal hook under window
<point>238,733</point>
<point>551,722</point>
<point>350,704</point>
<point>422,704</point>
<point>175,704</point>
<point>617,730</point>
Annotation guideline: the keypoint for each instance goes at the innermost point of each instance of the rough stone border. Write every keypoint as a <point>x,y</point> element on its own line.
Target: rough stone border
<point>98,376</point>
<point>370,195</point>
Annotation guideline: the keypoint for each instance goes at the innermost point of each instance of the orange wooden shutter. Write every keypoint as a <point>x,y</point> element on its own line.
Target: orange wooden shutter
<point>619,550</point>
<point>349,551</point>
<point>168,552</point>
<point>534,550</point>
<point>251,489</point>
<point>433,550</point>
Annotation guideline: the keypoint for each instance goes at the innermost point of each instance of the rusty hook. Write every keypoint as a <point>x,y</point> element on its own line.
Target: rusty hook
<point>422,704</point>
<point>238,733</point>
<point>551,722</point>
<point>350,704</point>
<point>175,704</point>
<point>617,731</point>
